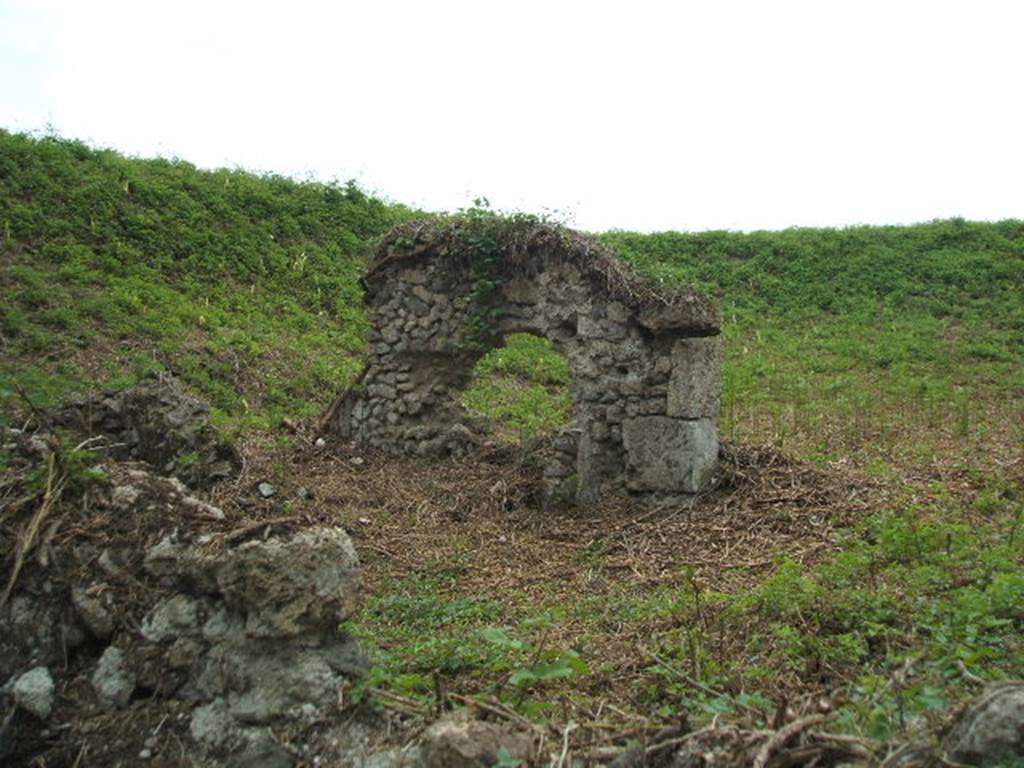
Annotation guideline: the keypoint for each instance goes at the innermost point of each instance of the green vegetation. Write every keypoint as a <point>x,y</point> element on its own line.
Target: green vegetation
<point>483,242</point>
<point>930,595</point>
<point>898,351</point>
<point>246,286</point>
<point>522,387</point>
<point>838,340</point>
<point>420,632</point>
<point>921,601</point>
<point>482,235</point>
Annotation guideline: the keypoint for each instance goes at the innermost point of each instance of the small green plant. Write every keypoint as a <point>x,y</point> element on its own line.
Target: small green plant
<point>787,593</point>
<point>532,666</point>
<point>592,553</point>
<point>505,760</point>
<point>72,470</point>
<point>80,469</point>
<point>188,459</point>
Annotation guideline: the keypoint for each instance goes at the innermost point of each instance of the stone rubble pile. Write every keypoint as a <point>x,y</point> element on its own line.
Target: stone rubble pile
<point>241,637</point>
<point>156,421</point>
<point>251,635</point>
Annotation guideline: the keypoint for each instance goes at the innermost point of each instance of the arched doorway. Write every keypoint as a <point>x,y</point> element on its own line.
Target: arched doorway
<point>644,360</point>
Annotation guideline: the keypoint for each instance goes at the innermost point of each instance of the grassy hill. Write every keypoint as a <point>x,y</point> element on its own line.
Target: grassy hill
<point>247,287</point>
<point>244,285</point>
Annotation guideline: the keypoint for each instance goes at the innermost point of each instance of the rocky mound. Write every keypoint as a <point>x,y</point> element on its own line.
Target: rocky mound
<point>137,619</point>
<point>158,422</point>
<point>225,633</point>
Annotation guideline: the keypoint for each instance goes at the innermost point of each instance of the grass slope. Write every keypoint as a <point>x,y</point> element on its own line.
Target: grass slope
<point>837,339</point>
<point>245,285</point>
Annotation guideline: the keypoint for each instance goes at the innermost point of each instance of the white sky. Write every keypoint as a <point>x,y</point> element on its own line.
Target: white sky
<point>632,114</point>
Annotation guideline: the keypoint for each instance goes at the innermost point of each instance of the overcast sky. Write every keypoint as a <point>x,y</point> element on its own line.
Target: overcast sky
<point>629,115</point>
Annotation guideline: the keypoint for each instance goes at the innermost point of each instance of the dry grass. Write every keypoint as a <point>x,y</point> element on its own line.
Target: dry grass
<point>480,519</point>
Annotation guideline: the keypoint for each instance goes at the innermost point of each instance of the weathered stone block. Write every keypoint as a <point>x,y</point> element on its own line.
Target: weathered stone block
<point>309,582</point>
<point>652,406</point>
<point>384,391</point>
<point>170,619</point>
<point>112,680</point>
<point>694,389</point>
<point>693,314</point>
<point>521,291</point>
<point>631,387</point>
<point>597,462</point>
<point>34,691</point>
<point>669,455</point>
<point>617,313</point>
<point>456,741</point>
<point>90,608</point>
<point>589,328</point>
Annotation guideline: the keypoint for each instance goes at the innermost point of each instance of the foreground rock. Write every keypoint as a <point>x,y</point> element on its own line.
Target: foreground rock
<point>458,741</point>
<point>46,619</point>
<point>219,638</point>
<point>33,691</point>
<point>156,421</point>
<point>37,627</point>
<point>112,680</point>
<point>251,633</point>
<point>991,731</point>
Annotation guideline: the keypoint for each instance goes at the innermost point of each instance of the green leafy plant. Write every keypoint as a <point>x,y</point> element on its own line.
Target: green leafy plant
<point>481,237</point>
<point>544,664</point>
<point>505,760</point>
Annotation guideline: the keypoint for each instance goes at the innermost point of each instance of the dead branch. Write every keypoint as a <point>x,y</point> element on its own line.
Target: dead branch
<point>783,735</point>
<point>54,488</point>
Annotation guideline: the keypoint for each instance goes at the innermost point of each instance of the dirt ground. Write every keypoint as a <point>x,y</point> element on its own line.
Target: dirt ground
<point>408,516</point>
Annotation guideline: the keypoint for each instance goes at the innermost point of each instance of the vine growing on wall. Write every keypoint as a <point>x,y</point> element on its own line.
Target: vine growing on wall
<point>491,246</point>
<point>484,238</point>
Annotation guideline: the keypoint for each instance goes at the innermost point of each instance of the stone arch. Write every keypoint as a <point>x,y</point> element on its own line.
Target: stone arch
<point>645,360</point>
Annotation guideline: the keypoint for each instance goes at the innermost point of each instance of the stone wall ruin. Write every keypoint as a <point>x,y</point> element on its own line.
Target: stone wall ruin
<point>645,360</point>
